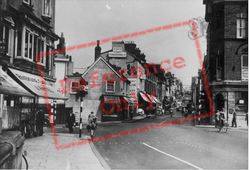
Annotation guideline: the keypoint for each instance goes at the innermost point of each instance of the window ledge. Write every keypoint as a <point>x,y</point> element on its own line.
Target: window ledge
<point>46,18</point>
<point>28,6</point>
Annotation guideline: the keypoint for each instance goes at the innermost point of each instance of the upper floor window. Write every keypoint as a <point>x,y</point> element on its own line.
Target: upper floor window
<point>241,26</point>
<point>47,8</point>
<point>34,47</point>
<point>244,67</point>
<point>110,86</point>
<point>7,40</point>
<point>74,86</point>
<point>28,46</point>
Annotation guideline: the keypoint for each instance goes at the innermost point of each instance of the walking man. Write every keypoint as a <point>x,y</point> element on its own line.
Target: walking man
<point>234,123</point>
<point>71,121</point>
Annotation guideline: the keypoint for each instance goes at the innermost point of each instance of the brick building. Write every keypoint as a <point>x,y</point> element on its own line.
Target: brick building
<point>226,62</point>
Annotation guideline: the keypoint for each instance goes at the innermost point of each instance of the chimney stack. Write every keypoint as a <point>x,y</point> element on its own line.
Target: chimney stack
<point>61,46</point>
<point>98,50</point>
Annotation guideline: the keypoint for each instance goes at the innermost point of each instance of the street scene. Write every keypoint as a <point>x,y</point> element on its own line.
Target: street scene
<point>120,84</point>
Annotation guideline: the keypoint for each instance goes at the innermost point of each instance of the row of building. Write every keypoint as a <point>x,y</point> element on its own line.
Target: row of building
<point>36,74</point>
<point>222,83</point>
<point>120,81</point>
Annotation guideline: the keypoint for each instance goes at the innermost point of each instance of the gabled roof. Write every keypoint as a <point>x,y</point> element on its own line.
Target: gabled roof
<point>102,59</point>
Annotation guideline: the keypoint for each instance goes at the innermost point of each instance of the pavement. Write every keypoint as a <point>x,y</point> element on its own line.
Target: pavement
<point>42,154</point>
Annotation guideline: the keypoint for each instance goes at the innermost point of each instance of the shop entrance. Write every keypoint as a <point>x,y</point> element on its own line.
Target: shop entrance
<point>219,102</point>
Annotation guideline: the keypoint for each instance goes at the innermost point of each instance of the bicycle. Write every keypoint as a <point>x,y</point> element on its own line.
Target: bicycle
<point>92,128</point>
<point>26,129</point>
<point>25,160</point>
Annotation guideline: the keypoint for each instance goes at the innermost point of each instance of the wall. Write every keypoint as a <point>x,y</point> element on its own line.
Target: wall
<point>97,87</point>
<point>59,74</point>
<point>38,7</point>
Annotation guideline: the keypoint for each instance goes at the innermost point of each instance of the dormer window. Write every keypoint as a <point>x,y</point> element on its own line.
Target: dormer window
<point>47,8</point>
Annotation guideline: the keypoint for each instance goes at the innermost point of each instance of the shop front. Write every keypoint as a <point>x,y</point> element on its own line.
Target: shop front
<point>43,90</point>
<point>146,103</point>
<point>116,108</point>
<point>11,141</point>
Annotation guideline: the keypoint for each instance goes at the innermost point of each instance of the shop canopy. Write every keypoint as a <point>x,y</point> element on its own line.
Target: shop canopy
<point>156,100</point>
<point>129,99</point>
<point>36,85</point>
<point>10,86</point>
<point>145,97</point>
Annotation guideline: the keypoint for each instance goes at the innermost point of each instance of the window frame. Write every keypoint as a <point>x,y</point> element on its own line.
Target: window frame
<point>107,86</point>
<point>241,27</point>
<point>30,34</point>
<point>243,67</point>
<point>49,14</point>
<point>71,87</point>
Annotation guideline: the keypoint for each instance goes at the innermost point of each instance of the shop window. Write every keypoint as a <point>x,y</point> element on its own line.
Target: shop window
<point>110,86</point>
<point>241,26</point>
<point>47,9</point>
<point>74,87</point>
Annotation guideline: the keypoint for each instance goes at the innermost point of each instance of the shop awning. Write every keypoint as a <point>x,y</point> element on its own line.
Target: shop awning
<point>151,98</point>
<point>145,97</point>
<point>11,87</point>
<point>129,99</point>
<point>156,100</point>
<point>36,85</point>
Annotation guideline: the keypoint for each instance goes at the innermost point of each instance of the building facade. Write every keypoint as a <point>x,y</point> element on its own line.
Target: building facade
<point>26,65</point>
<point>27,40</point>
<point>226,62</point>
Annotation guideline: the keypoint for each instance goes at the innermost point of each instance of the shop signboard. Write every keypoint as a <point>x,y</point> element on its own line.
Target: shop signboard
<point>117,54</point>
<point>37,84</point>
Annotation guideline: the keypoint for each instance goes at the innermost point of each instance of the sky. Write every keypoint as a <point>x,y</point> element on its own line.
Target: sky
<point>84,21</point>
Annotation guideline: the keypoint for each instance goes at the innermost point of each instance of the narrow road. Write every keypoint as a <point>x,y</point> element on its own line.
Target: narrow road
<point>173,147</point>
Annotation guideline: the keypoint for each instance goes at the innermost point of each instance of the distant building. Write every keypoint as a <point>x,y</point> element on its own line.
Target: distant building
<point>63,68</point>
<point>226,62</point>
<point>128,60</point>
<point>107,92</point>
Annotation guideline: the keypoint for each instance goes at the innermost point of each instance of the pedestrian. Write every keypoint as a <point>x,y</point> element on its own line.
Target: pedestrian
<point>234,122</point>
<point>221,118</point>
<point>71,121</point>
<point>217,118</point>
<point>40,122</point>
<point>91,118</point>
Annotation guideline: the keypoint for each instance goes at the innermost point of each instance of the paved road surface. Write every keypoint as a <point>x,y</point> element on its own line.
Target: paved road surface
<point>173,147</point>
